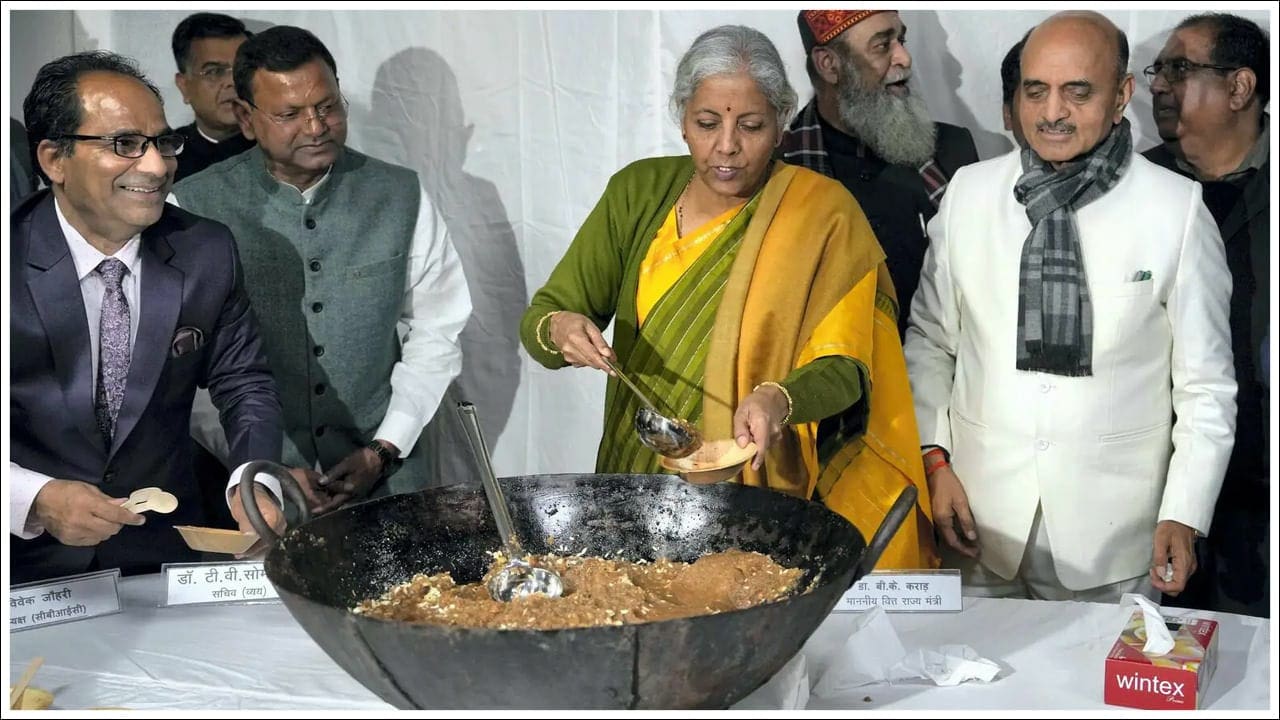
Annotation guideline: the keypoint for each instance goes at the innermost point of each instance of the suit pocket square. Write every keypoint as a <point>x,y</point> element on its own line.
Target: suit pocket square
<point>186,340</point>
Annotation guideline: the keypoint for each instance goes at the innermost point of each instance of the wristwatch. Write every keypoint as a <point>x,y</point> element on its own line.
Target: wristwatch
<point>390,462</point>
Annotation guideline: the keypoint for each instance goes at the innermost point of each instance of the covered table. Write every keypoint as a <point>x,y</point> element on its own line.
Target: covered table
<point>257,657</point>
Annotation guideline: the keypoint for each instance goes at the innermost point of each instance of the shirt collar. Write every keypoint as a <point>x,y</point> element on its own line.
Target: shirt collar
<point>1253,160</point>
<point>87,257</point>
<point>206,137</point>
<point>309,195</point>
<point>1258,154</point>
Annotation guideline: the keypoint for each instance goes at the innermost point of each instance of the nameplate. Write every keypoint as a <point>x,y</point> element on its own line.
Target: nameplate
<point>210,583</point>
<point>904,591</point>
<point>76,597</point>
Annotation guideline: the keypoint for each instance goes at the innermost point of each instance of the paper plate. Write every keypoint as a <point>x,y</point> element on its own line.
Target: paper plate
<point>716,461</point>
<point>216,540</point>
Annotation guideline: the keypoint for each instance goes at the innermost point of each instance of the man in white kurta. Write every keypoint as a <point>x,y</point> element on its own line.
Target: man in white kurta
<point>1085,470</point>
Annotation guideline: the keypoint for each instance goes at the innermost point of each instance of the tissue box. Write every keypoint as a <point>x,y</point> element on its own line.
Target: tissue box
<point>1173,681</point>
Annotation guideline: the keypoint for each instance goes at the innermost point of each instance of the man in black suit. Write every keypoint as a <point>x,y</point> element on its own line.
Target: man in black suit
<point>22,178</point>
<point>121,306</point>
<point>1210,86</point>
<point>204,47</point>
<point>865,128</point>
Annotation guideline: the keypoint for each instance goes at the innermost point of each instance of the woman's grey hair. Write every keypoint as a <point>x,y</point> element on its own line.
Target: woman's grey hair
<point>730,49</point>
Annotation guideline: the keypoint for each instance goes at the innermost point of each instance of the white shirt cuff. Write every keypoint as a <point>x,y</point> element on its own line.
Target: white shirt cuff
<point>399,429</point>
<point>24,485</point>
<point>267,481</point>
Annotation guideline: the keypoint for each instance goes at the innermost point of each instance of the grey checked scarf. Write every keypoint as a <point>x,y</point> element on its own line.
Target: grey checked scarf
<point>1055,317</point>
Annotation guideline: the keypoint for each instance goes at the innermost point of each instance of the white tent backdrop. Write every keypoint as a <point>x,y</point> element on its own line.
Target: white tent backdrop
<point>515,120</point>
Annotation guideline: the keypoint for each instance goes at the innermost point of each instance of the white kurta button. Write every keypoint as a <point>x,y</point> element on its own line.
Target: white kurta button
<point>1045,387</point>
<point>1043,444</point>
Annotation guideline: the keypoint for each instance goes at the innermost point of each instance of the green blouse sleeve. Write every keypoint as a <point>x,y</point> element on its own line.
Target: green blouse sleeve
<point>593,278</point>
<point>825,387</point>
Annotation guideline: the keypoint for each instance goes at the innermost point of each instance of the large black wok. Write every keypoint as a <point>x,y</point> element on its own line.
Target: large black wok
<point>326,565</point>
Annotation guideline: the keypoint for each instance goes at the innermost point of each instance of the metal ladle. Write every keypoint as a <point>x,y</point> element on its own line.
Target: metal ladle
<point>518,578</point>
<point>673,438</point>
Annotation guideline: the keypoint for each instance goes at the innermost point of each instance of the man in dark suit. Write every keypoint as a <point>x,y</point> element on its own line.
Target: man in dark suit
<point>866,129</point>
<point>204,48</point>
<point>1210,86</point>
<point>22,178</point>
<point>121,306</point>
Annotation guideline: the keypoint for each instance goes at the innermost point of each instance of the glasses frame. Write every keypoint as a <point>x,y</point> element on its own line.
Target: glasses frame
<point>214,74</point>
<point>147,141</point>
<point>315,113</point>
<point>1187,66</point>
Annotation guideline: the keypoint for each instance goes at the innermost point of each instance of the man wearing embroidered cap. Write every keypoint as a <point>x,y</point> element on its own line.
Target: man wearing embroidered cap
<point>865,128</point>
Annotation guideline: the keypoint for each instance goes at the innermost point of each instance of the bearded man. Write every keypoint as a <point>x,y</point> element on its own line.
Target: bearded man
<point>865,128</point>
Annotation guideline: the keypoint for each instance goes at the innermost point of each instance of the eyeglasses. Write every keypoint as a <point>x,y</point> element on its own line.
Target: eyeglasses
<point>1175,71</point>
<point>133,145</point>
<point>330,111</point>
<point>214,74</point>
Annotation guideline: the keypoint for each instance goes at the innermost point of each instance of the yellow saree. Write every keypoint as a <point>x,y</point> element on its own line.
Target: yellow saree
<point>808,250</point>
<point>794,276</point>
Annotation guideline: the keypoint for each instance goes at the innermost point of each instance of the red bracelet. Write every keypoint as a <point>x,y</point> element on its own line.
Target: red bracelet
<point>932,468</point>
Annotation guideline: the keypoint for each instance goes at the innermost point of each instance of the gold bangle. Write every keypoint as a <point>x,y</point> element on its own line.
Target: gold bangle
<point>785,394</point>
<point>537,333</point>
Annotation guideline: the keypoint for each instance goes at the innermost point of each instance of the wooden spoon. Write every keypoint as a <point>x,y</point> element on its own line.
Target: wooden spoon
<point>141,495</point>
<point>145,499</point>
<point>33,698</point>
<point>15,695</point>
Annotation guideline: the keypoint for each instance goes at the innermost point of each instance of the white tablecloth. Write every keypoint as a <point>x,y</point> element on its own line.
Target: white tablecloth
<point>258,657</point>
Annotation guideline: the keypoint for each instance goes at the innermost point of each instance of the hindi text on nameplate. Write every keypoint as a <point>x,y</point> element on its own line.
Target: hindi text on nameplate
<point>904,591</point>
<point>76,597</point>
<point>208,583</point>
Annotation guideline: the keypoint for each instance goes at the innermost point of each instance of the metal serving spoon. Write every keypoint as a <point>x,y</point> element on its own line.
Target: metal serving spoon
<point>673,438</point>
<point>518,578</point>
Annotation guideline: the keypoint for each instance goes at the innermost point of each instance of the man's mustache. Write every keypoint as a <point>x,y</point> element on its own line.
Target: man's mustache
<point>145,180</point>
<point>902,76</point>
<point>1059,126</point>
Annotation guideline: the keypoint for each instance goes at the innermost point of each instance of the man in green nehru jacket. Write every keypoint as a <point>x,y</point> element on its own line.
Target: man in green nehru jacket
<point>349,268</point>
